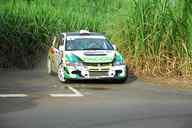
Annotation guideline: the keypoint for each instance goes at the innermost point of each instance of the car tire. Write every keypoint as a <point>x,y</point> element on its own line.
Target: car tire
<point>49,66</point>
<point>123,80</point>
<point>60,74</point>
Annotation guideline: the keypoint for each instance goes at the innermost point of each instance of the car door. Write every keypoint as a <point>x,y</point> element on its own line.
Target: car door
<point>59,49</point>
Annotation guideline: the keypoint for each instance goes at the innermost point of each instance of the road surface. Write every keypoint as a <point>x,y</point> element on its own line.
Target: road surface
<point>33,99</point>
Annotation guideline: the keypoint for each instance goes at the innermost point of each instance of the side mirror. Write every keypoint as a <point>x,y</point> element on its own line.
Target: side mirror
<point>114,47</point>
<point>61,48</point>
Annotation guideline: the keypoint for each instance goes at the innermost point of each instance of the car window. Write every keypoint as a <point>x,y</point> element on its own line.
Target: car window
<point>88,44</point>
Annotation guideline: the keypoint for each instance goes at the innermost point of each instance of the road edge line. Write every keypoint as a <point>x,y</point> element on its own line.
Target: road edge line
<point>63,95</point>
<point>12,95</point>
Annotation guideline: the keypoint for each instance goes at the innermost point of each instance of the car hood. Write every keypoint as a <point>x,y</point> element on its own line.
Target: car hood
<point>93,56</point>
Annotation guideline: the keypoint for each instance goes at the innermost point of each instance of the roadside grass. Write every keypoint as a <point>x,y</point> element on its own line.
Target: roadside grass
<point>155,36</point>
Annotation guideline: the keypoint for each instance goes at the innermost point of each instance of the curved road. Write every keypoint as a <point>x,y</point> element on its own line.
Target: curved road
<point>104,104</point>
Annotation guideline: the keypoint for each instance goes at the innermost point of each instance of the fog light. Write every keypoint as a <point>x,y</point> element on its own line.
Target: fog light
<point>111,73</point>
<point>85,73</point>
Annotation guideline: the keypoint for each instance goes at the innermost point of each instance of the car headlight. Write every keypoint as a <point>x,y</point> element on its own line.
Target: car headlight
<point>118,60</point>
<point>72,60</point>
<point>116,63</point>
<point>78,64</point>
<point>73,64</point>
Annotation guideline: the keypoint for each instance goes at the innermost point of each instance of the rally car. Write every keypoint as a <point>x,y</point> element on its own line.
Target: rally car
<point>85,55</point>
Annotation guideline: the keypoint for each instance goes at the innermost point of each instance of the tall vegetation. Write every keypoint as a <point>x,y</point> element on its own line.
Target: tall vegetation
<point>154,35</point>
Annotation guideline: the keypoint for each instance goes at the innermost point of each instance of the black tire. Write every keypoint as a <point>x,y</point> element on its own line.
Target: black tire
<point>60,74</point>
<point>123,80</point>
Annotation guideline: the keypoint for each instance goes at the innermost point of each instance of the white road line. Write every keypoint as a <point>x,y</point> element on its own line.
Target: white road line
<point>64,95</point>
<point>12,95</point>
<point>76,93</point>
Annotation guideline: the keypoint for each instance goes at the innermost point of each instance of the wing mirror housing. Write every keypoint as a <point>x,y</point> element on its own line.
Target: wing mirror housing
<point>61,48</point>
<point>114,47</point>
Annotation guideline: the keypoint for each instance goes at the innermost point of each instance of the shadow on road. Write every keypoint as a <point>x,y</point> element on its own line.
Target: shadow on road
<point>131,78</point>
<point>39,81</point>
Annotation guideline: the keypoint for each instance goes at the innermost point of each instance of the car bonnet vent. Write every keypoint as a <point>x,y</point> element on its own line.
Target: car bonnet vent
<point>95,54</point>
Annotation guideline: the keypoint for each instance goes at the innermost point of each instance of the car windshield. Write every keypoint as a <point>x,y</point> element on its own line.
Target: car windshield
<point>88,44</point>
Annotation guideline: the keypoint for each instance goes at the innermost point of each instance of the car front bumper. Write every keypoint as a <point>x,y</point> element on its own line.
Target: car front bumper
<point>81,72</point>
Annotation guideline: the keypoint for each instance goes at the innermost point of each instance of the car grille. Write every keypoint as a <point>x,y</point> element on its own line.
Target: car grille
<point>98,73</point>
<point>98,66</point>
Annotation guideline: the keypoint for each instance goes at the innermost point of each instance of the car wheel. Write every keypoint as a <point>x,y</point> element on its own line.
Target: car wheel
<point>60,73</point>
<point>123,80</point>
<point>49,67</point>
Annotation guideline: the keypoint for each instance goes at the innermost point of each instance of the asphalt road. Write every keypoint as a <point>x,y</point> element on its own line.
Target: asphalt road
<point>103,104</point>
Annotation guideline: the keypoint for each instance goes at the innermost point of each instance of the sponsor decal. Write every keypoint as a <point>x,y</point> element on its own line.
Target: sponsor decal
<point>97,59</point>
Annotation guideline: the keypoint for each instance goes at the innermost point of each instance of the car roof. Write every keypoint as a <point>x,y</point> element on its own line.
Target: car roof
<point>79,34</point>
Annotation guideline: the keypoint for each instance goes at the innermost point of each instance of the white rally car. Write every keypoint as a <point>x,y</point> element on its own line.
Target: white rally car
<point>85,55</point>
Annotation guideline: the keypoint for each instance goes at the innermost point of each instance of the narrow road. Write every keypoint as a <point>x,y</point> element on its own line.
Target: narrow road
<point>33,99</point>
